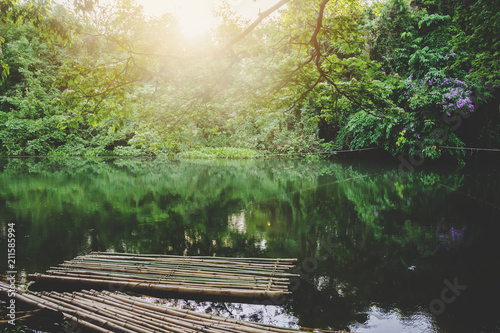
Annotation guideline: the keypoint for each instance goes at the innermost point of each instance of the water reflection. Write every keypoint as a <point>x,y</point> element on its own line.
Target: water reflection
<point>269,314</point>
<point>371,242</point>
<point>381,321</point>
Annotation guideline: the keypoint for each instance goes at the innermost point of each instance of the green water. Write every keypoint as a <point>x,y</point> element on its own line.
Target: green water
<point>378,250</point>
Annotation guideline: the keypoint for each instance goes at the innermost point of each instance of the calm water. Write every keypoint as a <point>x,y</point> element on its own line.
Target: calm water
<point>378,251</point>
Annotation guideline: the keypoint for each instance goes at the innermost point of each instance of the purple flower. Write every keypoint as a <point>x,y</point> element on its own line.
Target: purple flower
<point>411,76</point>
<point>450,236</point>
<point>453,53</point>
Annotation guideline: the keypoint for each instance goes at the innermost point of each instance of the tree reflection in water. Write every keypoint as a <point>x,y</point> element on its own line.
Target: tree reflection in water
<point>397,236</point>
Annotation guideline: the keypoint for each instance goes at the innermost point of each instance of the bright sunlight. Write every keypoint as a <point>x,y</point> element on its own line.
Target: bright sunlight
<point>197,17</point>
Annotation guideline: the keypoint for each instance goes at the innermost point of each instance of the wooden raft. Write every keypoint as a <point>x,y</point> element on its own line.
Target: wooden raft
<point>202,276</point>
<point>110,312</point>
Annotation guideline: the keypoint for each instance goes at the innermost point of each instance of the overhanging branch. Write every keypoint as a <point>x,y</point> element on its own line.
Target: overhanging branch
<point>255,23</point>
<point>318,62</point>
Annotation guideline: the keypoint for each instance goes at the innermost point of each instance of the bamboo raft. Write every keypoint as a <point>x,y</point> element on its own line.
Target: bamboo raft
<point>197,276</point>
<point>111,312</point>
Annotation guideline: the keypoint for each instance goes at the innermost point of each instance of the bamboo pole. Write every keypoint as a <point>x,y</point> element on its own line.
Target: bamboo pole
<point>207,285</point>
<point>162,288</point>
<point>193,262</point>
<point>215,276</point>
<point>262,281</point>
<point>170,272</point>
<point>154,317</point>
<point>90,315</point>
<point>177,270</point>
<point>86,324</point>
<point>216,326</point>
<point>207,320</point>
<point>109,312</point>
<point>176,267</point>
<point>182,312</point>
<point>293,260</point>
<point>199,277</point>
<point>161,280</point>
<point>127,321</point>
<point>82,317</point>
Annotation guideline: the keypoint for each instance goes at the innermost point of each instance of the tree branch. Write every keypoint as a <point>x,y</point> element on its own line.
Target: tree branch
<point>255,23</point>
<point>317,48</point>
<point>319,25</point>
<point>305,93</point>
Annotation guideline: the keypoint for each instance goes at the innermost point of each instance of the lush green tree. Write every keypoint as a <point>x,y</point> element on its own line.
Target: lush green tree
<point>320,75</point>
<point>476,25</point>
<point>416,53</point>
<point>28,119</point>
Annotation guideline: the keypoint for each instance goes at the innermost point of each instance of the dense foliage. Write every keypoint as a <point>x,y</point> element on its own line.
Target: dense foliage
<point>106,79</point>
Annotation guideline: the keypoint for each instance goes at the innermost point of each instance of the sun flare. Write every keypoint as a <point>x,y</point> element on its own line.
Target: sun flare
<point>194,17</point>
